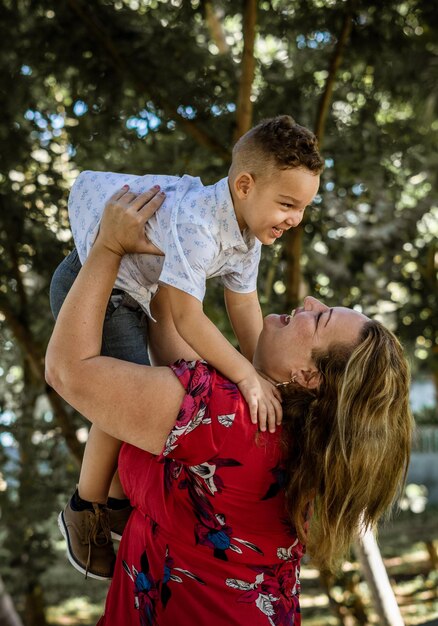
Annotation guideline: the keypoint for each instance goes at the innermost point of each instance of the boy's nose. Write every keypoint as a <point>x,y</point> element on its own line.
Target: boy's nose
<point>294,220</point>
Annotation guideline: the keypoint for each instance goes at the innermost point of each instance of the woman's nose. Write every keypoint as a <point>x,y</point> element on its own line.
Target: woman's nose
<point>312,304</point>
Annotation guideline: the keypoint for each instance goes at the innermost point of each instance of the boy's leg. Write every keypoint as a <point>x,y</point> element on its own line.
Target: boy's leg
<point>101,450</point>
<point>124,336</point>
<point>98,466</point>
<point>116,491</point>
<point>84,524</point>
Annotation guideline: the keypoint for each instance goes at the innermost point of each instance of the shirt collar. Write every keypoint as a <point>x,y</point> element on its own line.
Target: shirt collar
<point>230,234</point>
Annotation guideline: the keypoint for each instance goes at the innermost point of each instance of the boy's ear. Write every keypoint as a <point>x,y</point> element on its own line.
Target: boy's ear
<point>243,184</point>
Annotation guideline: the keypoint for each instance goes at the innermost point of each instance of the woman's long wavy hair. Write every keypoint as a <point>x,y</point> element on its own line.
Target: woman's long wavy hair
<point>347,442</point>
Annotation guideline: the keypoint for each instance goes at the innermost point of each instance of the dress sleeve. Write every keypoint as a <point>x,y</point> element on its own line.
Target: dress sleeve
<point>206,416</point>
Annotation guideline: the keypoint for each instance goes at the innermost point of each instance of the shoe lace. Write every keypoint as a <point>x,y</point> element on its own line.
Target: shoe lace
<point>97,530</point>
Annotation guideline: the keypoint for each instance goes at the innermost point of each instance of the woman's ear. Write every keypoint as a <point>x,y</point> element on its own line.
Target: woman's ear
<point>310,379</point>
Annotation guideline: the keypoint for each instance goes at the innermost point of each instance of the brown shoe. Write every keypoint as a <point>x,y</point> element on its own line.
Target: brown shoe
<point>88,537</point>
<point>118,518</point>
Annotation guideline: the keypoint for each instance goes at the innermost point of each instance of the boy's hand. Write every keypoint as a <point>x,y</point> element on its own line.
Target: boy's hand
<point>264,401</point>
<point>123,220</point>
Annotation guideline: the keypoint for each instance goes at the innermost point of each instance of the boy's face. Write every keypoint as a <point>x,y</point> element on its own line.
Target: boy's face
<point>273,204</point>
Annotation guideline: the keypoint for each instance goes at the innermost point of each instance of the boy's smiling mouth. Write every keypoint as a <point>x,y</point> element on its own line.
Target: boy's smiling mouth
<point>277,231</point>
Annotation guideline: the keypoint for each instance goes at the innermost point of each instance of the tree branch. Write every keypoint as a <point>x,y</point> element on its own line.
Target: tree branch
<point>244,104</point>
<point>123,69</point>
<point>293,245</point>
<point>214,25</point>
<point>335,62</point>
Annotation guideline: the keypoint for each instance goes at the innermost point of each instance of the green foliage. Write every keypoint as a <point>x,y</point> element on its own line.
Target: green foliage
<point>428,416</point>
<point>141,86</point>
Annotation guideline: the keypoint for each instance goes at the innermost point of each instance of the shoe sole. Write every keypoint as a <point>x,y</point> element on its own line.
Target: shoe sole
<point>76,565</point>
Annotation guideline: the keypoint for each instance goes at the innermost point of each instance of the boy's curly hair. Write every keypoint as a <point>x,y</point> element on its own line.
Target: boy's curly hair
<point>278,142</point>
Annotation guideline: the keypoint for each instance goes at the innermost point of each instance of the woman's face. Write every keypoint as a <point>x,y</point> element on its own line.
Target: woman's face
<point>285,346</point>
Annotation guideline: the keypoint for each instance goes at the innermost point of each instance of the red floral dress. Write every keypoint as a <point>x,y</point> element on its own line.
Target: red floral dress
<point>208,542</point>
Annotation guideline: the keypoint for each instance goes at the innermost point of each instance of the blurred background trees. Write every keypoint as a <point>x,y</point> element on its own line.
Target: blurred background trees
<point>165,86</point>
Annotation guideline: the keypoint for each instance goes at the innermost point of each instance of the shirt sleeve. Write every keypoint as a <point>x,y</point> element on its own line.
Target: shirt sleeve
<point>189,251</point>
<point>245,280</point>
<point>87,200</point>
<point>206,416</point>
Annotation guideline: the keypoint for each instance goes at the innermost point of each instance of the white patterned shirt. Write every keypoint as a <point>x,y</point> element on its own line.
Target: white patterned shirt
<point>196,228</point>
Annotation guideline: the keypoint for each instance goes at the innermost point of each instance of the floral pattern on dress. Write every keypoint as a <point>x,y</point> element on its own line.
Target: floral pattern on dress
<point>145,590</point>
<point>274,591</point>
<point>194,410</point>
<point>170,575</point>
<point>197,378</point>
<point>215,533</point>
<point>285,554</point>
<point>202,480</point>
<point>279,475</point>
<point>207,473</point>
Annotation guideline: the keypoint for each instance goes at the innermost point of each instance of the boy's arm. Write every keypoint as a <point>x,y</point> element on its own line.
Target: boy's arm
<point>165,344</point>
<point>246,318</point>
<point>203,336</point>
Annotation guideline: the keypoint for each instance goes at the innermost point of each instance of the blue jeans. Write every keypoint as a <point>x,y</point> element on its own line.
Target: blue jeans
<point>125,326</point>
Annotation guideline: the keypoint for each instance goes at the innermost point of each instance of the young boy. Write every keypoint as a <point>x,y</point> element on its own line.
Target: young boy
<point>199,232</point>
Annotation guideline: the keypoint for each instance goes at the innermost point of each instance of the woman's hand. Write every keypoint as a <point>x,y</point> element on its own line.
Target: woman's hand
<point>125,215</point>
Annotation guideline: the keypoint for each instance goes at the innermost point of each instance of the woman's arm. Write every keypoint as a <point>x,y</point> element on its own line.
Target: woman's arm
<point>133,403</point>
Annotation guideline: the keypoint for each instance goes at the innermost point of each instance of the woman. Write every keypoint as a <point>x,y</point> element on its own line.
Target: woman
<point>223,512</point>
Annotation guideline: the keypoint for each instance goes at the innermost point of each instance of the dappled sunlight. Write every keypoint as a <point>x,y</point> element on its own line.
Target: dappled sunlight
<point>74,612</point>
<point>154,87</point>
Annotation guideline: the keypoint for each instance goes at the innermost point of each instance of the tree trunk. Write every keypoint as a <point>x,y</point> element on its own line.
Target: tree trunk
<point>335,62</point>
<point>326,580</point>
<point>34,611</point>
<point>8,614</point>
<point>377,579</point>
<point>244,104</point>
<point>433,554</point>
<point>293,246</point>
<point>293,238</point>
